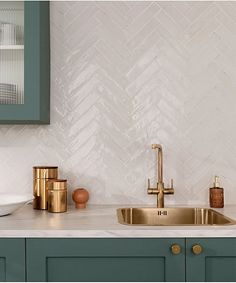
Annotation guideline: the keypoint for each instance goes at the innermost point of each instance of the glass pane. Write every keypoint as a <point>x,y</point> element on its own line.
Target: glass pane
<point>11,52</point>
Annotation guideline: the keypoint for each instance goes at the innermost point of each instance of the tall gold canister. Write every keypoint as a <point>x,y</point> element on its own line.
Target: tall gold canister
<point>41,175</point>
<point>57,195</point>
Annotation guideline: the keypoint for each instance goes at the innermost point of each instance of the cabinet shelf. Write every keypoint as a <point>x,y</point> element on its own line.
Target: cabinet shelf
<point>11,47</point>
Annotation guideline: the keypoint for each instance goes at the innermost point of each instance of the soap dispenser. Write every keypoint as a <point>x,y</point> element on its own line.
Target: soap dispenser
<point>216,194</point>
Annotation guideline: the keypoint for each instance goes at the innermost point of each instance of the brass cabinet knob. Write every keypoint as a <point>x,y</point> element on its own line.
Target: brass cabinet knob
<point>197,249</point>
<point>175,249</point>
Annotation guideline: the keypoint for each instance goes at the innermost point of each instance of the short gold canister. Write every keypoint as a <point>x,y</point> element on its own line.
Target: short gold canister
<point>41,174</point>
<point>57,195</point>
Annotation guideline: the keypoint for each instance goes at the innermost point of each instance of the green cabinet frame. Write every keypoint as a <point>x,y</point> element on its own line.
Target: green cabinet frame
<point>12,260</point>
<point>36,107</point>
<point>104,260</point>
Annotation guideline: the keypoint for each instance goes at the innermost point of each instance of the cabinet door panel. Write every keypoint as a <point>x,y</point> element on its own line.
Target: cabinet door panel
<point>105,269</point>
<point>104,260</point>
<point>220,268</point>
<point>216,263</point>
<point>2,269</point>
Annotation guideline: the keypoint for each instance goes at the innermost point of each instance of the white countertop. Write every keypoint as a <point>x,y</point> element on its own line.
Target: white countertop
<point>99,221</point>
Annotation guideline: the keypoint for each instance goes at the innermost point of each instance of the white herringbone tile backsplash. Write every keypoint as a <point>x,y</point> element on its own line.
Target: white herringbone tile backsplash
<point>126,75</point>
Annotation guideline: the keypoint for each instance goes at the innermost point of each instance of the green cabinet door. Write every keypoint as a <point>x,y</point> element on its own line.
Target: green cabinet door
<point>104,260</point>
<point>36,106</point>
<point>216,262</point>
<point>12,260</point>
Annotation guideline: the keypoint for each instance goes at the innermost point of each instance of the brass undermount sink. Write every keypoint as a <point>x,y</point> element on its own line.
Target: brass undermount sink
<point>172,216</point>
<point>175,216</point>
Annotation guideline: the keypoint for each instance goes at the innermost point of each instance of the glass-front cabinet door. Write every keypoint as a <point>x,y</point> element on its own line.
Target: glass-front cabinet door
<point>24,62</point>
<point>12,52</point>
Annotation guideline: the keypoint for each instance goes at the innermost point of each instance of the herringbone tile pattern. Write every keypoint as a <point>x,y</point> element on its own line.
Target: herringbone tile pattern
<point>125,75</point>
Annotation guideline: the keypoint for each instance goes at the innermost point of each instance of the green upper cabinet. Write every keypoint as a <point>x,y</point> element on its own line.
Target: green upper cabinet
<point>25,62</point>
<point>105,260</point>
<point>215,263</point>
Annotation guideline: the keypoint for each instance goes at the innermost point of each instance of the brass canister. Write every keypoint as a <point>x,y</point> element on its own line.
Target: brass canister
<point>41,175</point>
<point>57,195</point>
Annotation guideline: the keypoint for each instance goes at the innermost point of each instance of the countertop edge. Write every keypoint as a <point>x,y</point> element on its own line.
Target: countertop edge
<point>117,234</point>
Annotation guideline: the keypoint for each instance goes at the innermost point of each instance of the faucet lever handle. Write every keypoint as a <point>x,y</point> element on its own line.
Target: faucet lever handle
<point>150,190</point>
<point>169,191</point>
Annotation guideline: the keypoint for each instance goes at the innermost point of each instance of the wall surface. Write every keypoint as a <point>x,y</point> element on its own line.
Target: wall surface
<point>126,75</point>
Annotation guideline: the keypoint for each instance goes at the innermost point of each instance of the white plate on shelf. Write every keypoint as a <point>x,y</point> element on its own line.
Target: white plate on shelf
<point>11,202</point>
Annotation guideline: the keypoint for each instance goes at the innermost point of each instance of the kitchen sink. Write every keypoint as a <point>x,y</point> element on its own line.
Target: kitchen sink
<point>172,216</point>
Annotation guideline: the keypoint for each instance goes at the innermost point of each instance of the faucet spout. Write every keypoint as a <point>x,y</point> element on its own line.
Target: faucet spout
<point>158,149</point>
<point>160,189</point>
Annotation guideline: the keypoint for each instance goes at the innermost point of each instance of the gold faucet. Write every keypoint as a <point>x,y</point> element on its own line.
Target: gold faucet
<point>160,190</point>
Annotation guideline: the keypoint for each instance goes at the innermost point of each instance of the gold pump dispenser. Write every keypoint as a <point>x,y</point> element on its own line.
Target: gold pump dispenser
<point>216,183</point>
<point>216,194</point>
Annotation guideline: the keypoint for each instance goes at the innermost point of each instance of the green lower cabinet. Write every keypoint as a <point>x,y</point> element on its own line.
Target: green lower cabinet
<point>130,259</point>
<point>104,260</point>
<point>216,262</point>
<point>12,260</point>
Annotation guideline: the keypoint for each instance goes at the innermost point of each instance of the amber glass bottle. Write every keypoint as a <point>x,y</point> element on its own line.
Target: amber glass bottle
<point>216,194</point>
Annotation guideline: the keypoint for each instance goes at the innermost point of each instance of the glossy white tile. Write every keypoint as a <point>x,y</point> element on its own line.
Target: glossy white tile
<point>125,75</point>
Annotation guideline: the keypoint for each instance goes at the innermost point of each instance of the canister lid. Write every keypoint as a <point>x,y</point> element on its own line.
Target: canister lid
<point>45,172</point>
<point>57,184</point>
